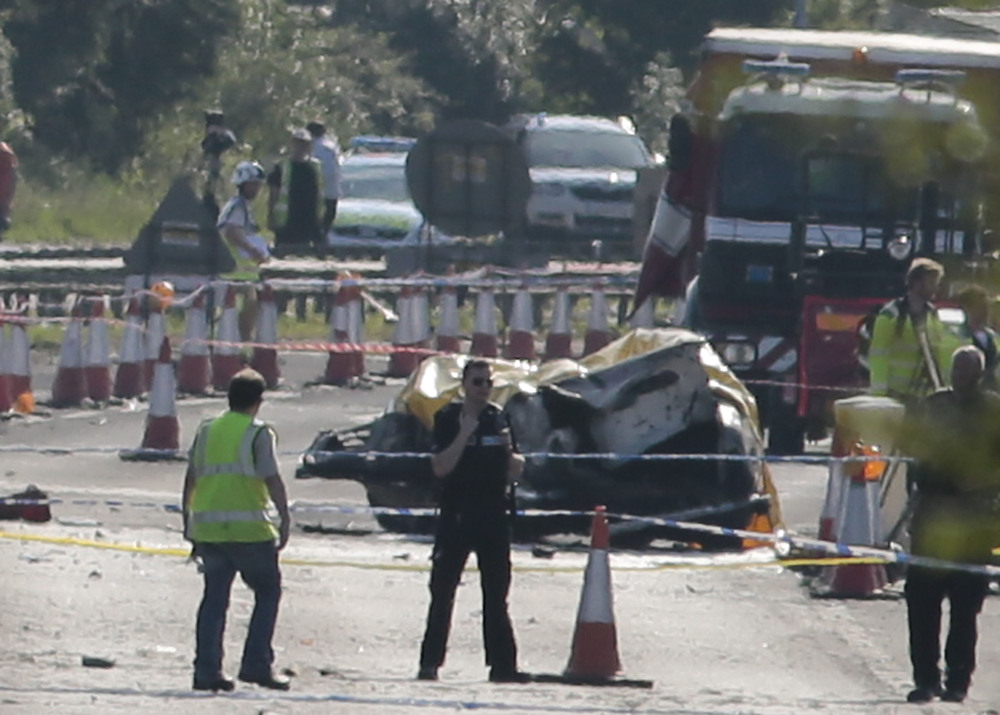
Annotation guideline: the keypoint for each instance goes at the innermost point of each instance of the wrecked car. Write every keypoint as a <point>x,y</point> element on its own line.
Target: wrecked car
<point>591,430</point>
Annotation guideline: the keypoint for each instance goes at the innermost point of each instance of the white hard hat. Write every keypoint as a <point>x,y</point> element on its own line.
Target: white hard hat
<point>247,171</point>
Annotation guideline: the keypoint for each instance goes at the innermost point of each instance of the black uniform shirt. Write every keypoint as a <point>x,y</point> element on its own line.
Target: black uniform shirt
<point>478,484</point>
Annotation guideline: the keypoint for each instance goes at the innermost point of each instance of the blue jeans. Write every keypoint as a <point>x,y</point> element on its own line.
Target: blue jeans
<point>257,564</point>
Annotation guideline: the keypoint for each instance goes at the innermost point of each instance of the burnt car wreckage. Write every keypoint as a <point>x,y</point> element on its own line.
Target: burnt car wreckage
<point>651,392</point>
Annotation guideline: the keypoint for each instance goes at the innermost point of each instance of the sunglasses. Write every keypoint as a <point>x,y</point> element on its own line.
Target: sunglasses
<point>480,381</point>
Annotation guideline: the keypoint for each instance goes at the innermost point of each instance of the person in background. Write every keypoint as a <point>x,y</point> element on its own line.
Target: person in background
<point>248,248</point>
<point>8,183</point>
<point>296,188</point>
<point>976,330</point>
<point>232,475</point>
<point>953,434</point>
<point>476,460</point>
<point>327,152</point>
<point>910,347</point>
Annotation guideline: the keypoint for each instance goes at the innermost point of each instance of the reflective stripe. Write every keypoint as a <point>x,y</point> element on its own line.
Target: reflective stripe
<point>210,470</point>
<point>245,467</point>
<point>208,517</point>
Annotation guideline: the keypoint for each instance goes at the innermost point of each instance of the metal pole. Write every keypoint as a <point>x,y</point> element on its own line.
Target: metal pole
<point>801,13</point>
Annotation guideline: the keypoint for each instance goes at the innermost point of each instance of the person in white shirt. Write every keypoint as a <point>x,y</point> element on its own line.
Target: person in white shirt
<point>326,150</point>
<point>249,249</point>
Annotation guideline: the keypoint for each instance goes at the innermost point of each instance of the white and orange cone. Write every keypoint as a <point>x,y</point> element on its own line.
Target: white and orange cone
<point>594,655</point>
<point>194,373</point>
<point>19,369</point>
<point>643,317</point>
<point>226,355</point>
<point>162,437</point>
<point>559,341</point>
<point>265,359</point>
<point>156,330</point>
<point>70,386</point>
<point>598,331</point>
<point>6,399</point>
<point>857,521</point>
<point>347,361</point>
<point>484,334</point>
<point>98,357</point>
<point>411,332</point>
<point>521,338</point>
<point>130,379</point>
<point>447,339</point>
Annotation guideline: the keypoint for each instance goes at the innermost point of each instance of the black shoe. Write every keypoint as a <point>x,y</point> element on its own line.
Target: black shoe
<point>922,695</point>
<point>224,685</point>
<point>509,676</point>
<point>427,673</point>
<point>953,696</point>
<point>270,680</point>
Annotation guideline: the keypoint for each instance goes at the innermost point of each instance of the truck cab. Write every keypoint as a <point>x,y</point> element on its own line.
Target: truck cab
<point>798,196</point>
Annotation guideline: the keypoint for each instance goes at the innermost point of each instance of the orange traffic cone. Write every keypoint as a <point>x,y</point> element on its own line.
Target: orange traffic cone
<point>347,362</point>
<point>70,386</point>
<point>6,399</point>
<point>595,642</point>
<point>484,335</point>
<point>558,343</point>
<point>265,359</point>
<point>643,316</point>
<point>226,356</point>
<point>598,332</point>
<point>521,339</point>
<point>98,360</point>
<point>18,369</point>
<point>161,439</point>
<point>156,330</point>
<point>448,327</point>
<point>857,522</point>
<point>409,335</point>
<point>193,368</point>
<point>130,378</point>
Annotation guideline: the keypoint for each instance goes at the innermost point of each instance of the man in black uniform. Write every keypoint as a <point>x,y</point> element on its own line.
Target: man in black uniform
<point>475,458</point>
<point>953,434</point>
<point>295,200</point>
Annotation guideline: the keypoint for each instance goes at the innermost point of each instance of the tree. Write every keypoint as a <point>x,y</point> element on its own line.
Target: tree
<point>93,73</point>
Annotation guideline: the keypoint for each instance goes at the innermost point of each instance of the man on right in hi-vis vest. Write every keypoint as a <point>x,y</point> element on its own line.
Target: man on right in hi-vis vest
<point>295,199</point>
<point>232,475</point>
<point>910,352</point>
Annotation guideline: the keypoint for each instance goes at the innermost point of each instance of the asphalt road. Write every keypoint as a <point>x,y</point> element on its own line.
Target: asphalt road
<point>714,633</point>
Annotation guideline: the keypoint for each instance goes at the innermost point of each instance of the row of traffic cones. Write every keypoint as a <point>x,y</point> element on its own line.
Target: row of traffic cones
<point>85,369</point>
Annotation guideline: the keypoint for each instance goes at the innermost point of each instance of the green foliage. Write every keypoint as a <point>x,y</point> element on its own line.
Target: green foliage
<point>92,73</point>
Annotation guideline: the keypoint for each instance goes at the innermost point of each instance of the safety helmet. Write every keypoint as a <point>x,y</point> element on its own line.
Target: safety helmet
<point>247,171</point>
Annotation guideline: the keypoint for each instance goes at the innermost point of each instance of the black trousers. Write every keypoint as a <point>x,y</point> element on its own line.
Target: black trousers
<point>925,591</point>
<point>458,536</point>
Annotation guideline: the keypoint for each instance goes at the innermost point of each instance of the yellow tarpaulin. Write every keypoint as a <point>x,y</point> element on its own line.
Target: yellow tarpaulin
<point>437,380</point>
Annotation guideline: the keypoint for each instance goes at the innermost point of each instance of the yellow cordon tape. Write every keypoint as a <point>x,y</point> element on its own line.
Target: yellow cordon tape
<point>184,553</point>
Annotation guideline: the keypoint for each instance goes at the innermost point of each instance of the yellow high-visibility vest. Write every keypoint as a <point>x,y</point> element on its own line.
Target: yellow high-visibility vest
<point>230,501</point>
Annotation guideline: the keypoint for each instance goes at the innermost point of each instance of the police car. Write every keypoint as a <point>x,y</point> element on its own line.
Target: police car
<point>375,212</point>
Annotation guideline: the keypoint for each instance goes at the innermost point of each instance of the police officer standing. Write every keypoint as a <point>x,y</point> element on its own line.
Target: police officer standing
<point>910,346</point>
<point>295,199</point>
<point>475,459</point>
<point>232,474</point>
<point>953,435</point>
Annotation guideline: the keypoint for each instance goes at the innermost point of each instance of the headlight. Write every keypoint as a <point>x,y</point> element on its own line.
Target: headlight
<point>738,354</point>
<point>900,248</point>
<point>549,189</point>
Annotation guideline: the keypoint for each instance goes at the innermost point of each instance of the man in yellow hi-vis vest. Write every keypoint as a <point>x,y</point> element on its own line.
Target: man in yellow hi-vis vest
<point>295,199</point>
<point>232,475</point>
<point>910,352</point>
